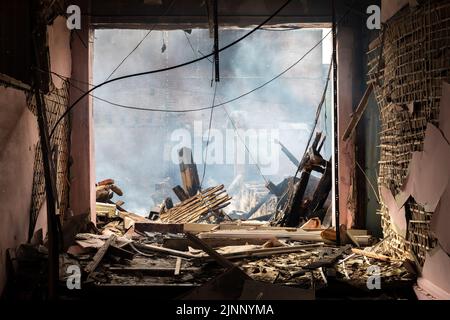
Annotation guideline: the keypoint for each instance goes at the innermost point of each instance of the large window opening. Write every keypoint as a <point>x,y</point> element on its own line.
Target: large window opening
<point>138,149</point>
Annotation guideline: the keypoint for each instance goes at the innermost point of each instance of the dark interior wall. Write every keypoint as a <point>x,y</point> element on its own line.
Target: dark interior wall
<point>18,139</point>
<point>15,39</point>
<point>366,140</point>
<point>193,13</point>
<point>365,136</point>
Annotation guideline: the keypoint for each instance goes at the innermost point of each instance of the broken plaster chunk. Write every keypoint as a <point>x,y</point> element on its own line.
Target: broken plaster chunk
<point>428,172</point>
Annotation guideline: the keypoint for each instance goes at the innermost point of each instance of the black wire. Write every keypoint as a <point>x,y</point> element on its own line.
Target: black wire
<point>190,44</point>
<point>222,103</point>
<point>139,43</point>
<point>167,68</point>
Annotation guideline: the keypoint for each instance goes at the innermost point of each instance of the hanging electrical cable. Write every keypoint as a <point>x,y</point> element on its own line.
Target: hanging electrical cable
<point>336,126</point>
<point>139,43</point>
<point>216,105</point>
<point>166,68</point>
<point>119,105</point>
<point>205,157</point>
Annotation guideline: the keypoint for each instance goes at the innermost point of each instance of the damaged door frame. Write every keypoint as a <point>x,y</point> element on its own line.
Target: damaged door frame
<point>82,115</point>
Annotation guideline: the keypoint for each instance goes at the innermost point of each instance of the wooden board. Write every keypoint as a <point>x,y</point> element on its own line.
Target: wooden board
<point>99,255</point>
<point>299,234</point>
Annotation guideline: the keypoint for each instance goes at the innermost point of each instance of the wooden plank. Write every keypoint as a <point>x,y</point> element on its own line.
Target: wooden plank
<point>133,216</point>
<point>358,232</point>
<point>99,255</point>
<point>299,235</point>
<point>193,208</point>
<point>358,113</point>
<point>171,252</point>
<point>211,252</point>
<point>158,227</point>
<point>183,244</point>
<point>105,182</point>
<point>267,252</point>
<point>161,272</point>
<point>173,227</point>
<point>198,227</point>
<point>177,266</point>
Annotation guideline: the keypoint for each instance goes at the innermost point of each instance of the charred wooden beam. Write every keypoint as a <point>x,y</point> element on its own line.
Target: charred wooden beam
<point>189,174</point>
<point>216,41</point>
<point>295,208</point>
<point>180,193</point>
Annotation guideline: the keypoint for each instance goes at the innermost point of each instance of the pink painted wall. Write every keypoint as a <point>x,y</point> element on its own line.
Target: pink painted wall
<point>82,175</point>
<point>18,138</point>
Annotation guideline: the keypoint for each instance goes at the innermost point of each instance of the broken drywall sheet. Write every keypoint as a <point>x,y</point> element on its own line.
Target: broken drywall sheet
<point>428,172</point>
<point>444,111</point>
<point>396,214</point>
<point>59,49</point>
<point>440,222</point>
<point>435,278</point>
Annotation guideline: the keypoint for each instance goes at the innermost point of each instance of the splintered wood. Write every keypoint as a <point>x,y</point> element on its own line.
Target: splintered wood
<point>206,203</point>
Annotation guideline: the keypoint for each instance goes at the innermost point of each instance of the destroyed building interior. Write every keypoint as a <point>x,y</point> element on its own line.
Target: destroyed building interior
<point>225,150</point>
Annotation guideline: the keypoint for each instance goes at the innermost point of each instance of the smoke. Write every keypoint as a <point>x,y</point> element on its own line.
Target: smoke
<point>135,147</point>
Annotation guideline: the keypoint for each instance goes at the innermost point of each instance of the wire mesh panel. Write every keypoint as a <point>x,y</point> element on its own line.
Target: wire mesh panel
<point>56,102</point>
<point>407,68</point>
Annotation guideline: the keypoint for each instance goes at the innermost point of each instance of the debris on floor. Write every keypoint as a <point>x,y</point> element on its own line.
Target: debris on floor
<point>194,246</point>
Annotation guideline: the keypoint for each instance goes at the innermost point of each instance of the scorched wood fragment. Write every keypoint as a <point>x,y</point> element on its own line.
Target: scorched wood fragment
<point>181,194</point>
<point>188,170</point>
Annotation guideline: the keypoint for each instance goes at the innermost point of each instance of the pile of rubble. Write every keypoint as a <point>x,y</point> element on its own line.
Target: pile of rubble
<point>194,245</point>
